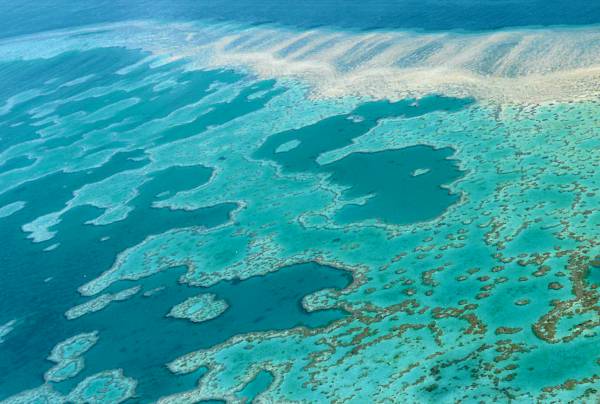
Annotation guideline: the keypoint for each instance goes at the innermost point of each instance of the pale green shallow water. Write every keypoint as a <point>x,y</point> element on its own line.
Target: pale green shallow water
<point>440,249</point>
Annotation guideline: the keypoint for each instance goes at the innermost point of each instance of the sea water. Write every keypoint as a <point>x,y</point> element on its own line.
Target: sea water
<point>333,201</point>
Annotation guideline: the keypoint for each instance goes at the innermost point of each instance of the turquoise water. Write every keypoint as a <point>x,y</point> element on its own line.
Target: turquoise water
<point>396,195</point>
<point>243,209</point>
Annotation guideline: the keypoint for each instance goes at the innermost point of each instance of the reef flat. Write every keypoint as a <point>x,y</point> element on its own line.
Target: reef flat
<point>199,308</point>
<point>510,65</point>
<point>215,211</point>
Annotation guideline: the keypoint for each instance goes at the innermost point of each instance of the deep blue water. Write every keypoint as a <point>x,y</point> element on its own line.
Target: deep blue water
<point>19,17</point>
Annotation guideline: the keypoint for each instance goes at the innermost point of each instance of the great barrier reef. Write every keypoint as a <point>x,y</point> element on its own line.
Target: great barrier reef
<point>276,201</point>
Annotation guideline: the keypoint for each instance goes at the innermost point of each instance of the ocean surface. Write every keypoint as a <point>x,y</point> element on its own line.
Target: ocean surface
<point>23,16</point>
<point>307,201</point>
